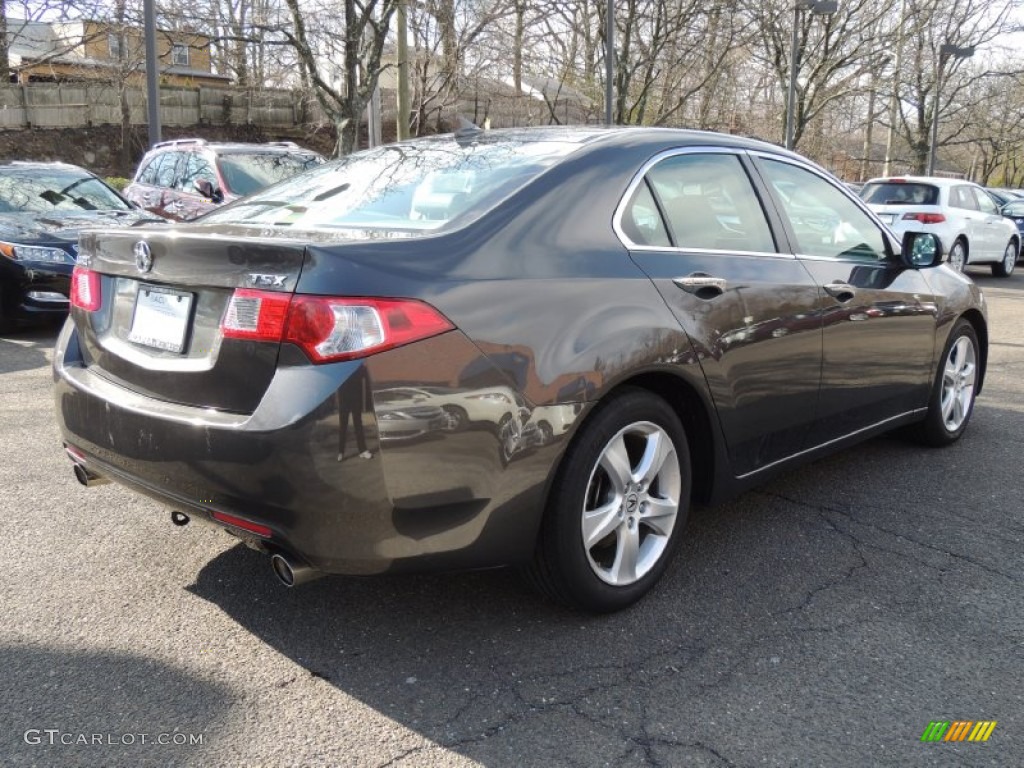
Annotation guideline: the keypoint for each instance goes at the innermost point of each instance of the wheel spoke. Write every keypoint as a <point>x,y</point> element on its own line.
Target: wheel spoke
<point>623,570</point>
<point>598,523</point>
<point>657,450</point>
<point>615,461</point>
<point>660,515</point>
<point>958,411</point>
<point>948,400</point>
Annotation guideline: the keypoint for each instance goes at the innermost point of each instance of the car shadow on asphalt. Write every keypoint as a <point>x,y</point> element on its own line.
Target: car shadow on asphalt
<point>26,349</point>
<point>69,707</point>
<point>463,658</point>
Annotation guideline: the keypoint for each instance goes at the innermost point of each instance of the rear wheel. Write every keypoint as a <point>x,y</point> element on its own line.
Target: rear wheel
<point>1005,267</point>
<point>952,400</point>
<point>617,508</point>
<point>958,256</point>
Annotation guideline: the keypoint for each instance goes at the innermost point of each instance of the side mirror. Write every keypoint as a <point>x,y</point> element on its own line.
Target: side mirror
<point>921,250</point>
<point>206,188</point>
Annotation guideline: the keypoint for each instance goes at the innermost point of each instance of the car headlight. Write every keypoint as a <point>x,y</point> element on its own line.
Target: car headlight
<point>36,253</point>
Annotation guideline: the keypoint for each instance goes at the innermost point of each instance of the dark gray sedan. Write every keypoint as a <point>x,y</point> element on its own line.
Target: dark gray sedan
<point>693,311</point>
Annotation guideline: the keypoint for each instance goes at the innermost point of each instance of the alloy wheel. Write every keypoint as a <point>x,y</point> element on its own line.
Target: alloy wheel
<point>957,256</point>
<point>631,504</point>
<point>958,379</point>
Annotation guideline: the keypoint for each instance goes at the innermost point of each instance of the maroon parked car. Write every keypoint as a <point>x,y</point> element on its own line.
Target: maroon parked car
<point>185,178</point>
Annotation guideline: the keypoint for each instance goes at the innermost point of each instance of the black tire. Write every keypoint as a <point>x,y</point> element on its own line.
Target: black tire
<point>563,568</point>
<point>958,263</point>
<point>934,430</point>
<point>1005,267</point>
<point>457,418</point>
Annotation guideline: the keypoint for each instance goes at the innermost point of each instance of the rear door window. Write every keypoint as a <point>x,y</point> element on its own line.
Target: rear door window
<point>710,204</point>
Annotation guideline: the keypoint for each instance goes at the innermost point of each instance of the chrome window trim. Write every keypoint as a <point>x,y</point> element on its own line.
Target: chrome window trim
<point>638,179</point>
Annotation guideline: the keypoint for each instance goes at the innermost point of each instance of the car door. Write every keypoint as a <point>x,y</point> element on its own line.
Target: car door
<point>962,199</point>
<point>144,191</point>
<point>878,316</point>
<point>696,226</point>
<point>997,234</point>
<point>166,175</point>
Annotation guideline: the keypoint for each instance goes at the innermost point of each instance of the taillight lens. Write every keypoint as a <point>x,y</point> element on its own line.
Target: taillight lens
<point>86,289</point>
<point>330,329</point>
<point>925,218</point>
<point>256,315</point>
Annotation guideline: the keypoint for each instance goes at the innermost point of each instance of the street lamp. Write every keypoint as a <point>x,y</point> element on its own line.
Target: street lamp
<point>946,51</point>
<point>818,8</point>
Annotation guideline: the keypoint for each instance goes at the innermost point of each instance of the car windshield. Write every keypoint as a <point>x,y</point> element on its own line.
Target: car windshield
<point>899,193</point>
<point>409,187</point>
<point>44,190</point>
<point>248,172</point>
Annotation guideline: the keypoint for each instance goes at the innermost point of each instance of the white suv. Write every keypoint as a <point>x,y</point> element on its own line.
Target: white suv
<point>963,215</point>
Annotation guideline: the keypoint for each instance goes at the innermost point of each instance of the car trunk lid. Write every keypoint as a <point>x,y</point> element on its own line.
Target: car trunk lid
<point>163,296</point>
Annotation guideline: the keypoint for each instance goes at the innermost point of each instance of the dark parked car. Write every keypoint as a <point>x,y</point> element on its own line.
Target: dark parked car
<point>43,207</point>
<point>185,178</point>
<point>685,350</point>
<point>1014,210</point>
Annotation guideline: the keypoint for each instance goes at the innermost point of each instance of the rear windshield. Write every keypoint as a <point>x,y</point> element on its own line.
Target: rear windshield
<point>899,193</point>
<point>407,187</point>
<point>245,173</point>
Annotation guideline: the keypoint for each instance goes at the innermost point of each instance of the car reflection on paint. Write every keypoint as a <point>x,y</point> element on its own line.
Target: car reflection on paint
<point>400,418</point>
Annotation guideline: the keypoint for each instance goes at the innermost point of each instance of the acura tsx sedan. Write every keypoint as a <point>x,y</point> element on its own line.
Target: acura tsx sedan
<point>694,311</point>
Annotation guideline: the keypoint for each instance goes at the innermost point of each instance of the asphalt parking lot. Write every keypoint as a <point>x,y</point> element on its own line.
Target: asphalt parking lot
<point>822,620</point>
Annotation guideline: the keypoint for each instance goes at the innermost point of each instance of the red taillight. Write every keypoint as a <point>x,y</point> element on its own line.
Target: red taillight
<point>245,525</point>
<point>925,218</point>
<point>256,315</point>
<point>330,329</point>
<point>86,289</point>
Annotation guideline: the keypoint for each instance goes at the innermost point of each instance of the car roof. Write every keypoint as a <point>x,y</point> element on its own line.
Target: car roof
<point>31,165</point>
<point>938,181</point>
<point>229,146</point>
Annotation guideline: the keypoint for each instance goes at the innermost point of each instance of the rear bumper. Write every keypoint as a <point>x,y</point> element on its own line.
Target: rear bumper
<point>442,501</point>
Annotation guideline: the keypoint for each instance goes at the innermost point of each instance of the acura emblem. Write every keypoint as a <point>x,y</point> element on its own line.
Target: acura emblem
<point>143,257</point>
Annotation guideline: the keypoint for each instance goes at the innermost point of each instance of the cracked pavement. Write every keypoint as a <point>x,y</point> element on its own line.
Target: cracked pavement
<point>822,619</point>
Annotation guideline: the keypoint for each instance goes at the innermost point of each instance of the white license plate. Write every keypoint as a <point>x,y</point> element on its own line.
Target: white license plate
<point>161,318</point>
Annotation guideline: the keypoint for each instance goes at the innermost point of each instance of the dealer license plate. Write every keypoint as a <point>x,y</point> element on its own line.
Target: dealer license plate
<point>161,318</point>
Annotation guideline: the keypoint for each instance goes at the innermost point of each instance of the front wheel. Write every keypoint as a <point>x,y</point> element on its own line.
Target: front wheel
<point>616,510</point>
<point>952,399</point>
<point>1005,267</point>
<point>958,256</point>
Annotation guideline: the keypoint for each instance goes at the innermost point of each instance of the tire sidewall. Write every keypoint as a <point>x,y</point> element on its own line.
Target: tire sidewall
<point>566,501</point>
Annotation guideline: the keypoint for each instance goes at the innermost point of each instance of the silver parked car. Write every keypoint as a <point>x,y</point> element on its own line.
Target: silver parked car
<point>964,216</point>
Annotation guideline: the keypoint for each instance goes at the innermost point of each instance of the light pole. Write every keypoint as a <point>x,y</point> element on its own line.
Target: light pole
<point>819,8</point>
<point>946,51</point>
<point>609,61</point>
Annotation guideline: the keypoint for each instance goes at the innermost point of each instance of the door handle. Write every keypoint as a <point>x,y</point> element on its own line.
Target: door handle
<point>702,285</point>
<point>841,291</point>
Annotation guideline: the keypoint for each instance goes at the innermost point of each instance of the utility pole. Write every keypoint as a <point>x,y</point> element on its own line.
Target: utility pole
<point>609,61</point>
<point>402,119</point>
<point>152,72</point>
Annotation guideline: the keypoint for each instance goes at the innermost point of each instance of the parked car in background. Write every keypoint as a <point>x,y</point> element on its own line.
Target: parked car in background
<point>1003,196</point>
<point>594,277</point>
<point>185,178</point>
<point>43,207</point>
<point>1014,211</point>
<point>964,216</point>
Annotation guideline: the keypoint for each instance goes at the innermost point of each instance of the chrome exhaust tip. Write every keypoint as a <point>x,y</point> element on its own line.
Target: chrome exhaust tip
<point>292,573</point>
<point>87,478</point>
